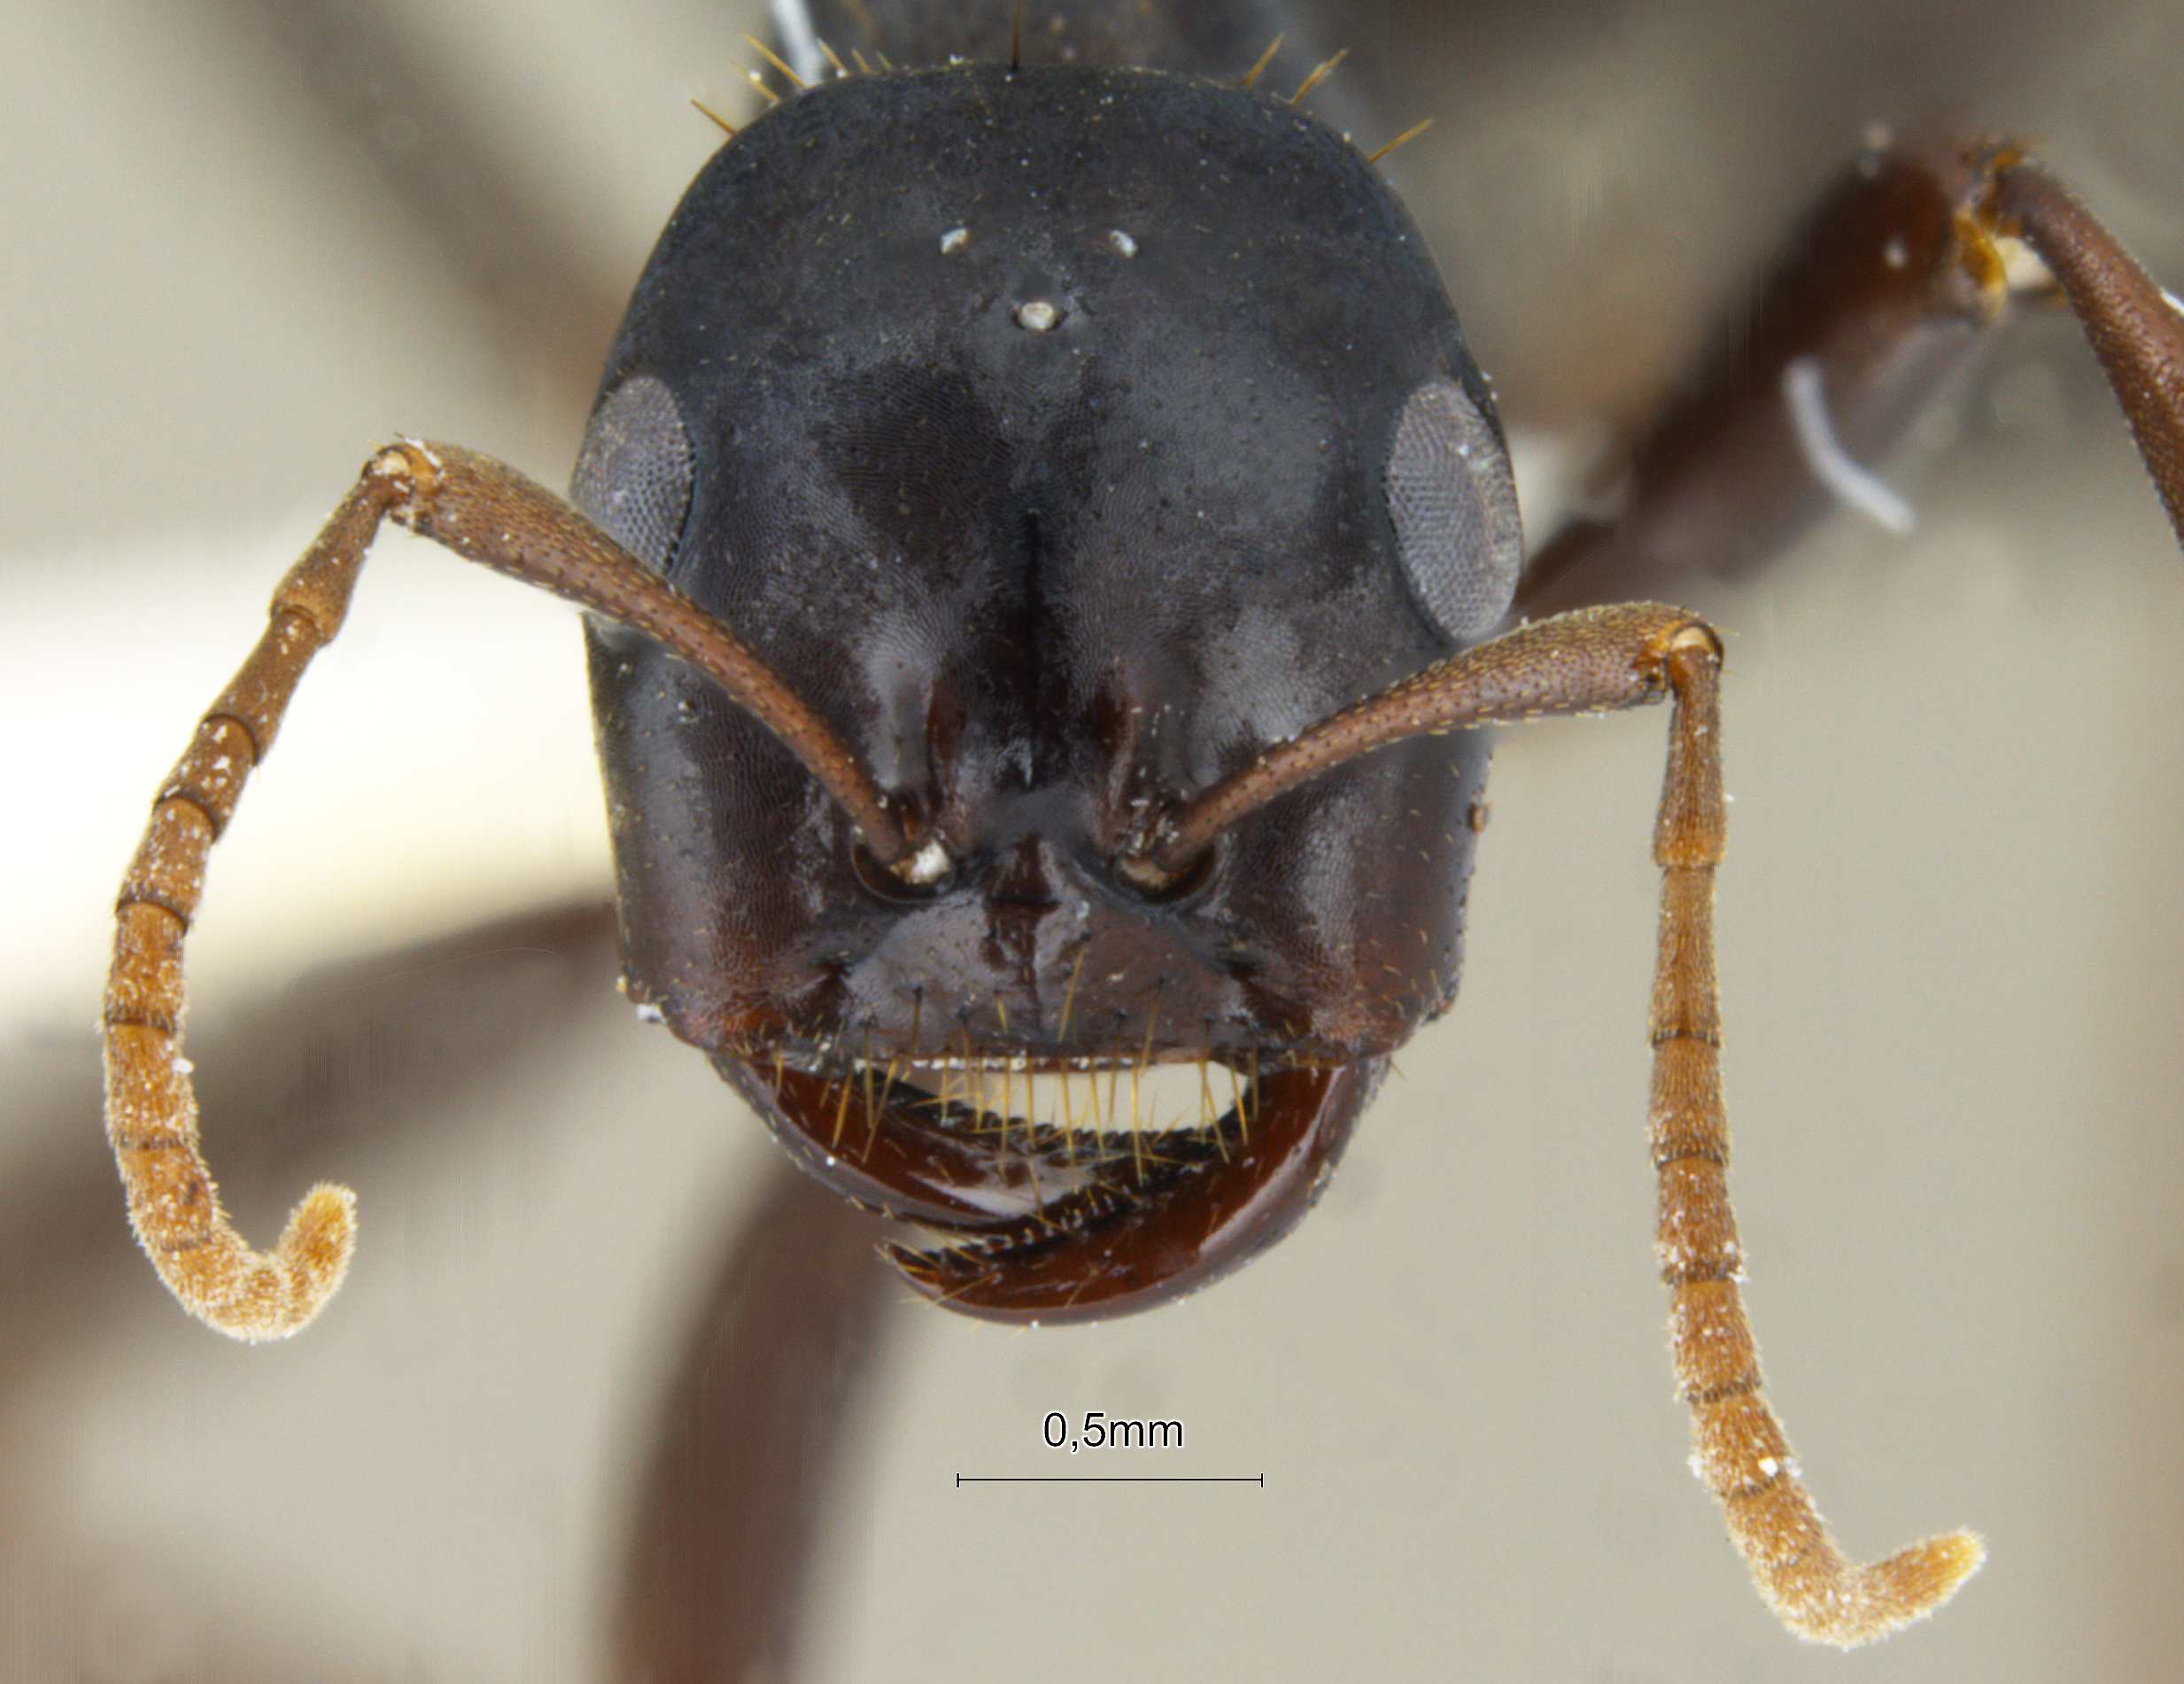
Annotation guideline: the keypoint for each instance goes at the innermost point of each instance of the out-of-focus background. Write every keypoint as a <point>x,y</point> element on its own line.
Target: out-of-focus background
<point>537,1438</point>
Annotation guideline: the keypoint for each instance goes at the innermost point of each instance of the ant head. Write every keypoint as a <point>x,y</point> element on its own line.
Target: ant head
<point>1066,437</point>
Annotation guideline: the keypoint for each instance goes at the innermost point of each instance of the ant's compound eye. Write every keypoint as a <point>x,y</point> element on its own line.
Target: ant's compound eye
<point>1453,503</point>
<point>633,477</point>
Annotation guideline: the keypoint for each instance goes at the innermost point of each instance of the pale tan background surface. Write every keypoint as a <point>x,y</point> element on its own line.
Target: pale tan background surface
<point>240,248</point>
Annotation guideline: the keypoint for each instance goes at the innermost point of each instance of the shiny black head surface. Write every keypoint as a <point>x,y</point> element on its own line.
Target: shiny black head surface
<point>1065,437</point>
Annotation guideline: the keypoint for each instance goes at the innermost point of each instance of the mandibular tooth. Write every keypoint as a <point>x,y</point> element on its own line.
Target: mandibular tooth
<point>1164,1094</point>
<point>1019,1063</point>
<point>971,1062</point>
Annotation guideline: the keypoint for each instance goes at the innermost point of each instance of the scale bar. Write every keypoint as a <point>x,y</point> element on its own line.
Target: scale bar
<point>1111,1478</point>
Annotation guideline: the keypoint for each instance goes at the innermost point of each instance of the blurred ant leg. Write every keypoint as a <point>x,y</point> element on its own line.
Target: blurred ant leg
<point>486,513</point>
<point>1877,304</point>
<point>1593,660</point>
<point>2135,328</point>
<point>776,1371</point>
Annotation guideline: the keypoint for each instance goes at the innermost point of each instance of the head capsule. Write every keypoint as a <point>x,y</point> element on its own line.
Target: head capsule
<point>1066,437</point>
